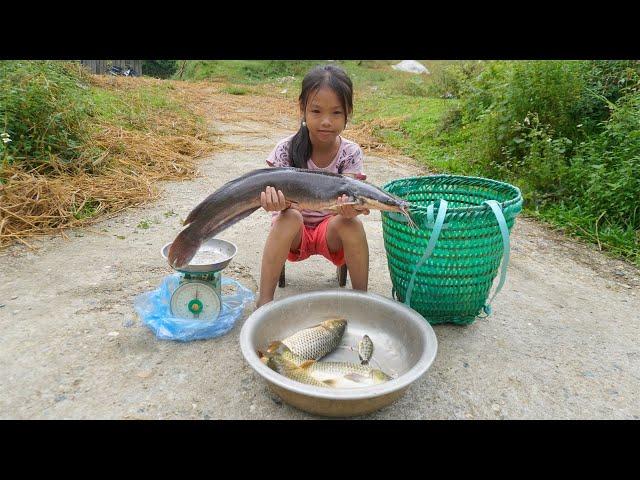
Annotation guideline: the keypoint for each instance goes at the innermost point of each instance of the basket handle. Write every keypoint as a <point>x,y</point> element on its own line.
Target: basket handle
<point>442,212</point>
<point>497,210</point>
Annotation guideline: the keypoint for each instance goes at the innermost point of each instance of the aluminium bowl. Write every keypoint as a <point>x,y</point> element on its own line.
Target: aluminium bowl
<point>405,346</point>
<point>224,249</point>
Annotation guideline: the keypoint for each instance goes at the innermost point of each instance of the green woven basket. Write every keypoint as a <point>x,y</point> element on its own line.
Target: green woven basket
<point>445,268</point>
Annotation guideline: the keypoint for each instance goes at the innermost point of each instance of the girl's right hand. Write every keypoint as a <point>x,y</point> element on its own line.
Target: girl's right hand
<point>273,201</point>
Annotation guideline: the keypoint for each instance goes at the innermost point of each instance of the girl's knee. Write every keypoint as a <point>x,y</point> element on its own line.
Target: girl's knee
<point>350,228</point>
<point>350,224</point>
<point>289,219</point>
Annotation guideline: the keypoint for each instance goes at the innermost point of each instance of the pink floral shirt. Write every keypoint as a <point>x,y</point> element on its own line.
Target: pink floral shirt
<point>348,159</point>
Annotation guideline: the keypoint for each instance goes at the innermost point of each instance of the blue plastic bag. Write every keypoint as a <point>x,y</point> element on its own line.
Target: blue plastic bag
<point>154,310</point>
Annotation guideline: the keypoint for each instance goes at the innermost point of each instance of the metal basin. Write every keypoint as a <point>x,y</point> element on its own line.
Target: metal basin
<point>405,346</point>
<point>220,250</point>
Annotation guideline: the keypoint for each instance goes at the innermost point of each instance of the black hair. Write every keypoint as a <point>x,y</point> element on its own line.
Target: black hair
<point>333,77</point>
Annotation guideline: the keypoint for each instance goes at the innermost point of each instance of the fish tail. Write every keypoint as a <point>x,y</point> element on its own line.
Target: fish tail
<point>273,347</point>
<point>183,248</point>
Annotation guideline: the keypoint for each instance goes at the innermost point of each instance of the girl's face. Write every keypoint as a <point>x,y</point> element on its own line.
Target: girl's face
<point>325,116</point>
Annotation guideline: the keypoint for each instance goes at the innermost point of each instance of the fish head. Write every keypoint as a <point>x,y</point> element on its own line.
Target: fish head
<point>276,363</point>
<point>374,198</point>
<point>337,325</point>
<point>277,349</point>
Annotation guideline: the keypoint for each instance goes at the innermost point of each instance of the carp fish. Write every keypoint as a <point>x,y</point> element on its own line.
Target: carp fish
<point>281,359</point>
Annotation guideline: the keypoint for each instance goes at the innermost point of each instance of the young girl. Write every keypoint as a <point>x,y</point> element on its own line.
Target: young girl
<point>326,101</point>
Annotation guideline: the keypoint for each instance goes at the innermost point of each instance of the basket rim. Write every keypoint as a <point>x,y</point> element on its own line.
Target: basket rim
<point>467,209</point>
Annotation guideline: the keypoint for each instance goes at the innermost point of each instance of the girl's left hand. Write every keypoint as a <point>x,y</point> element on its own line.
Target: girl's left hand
<point>348,211</point>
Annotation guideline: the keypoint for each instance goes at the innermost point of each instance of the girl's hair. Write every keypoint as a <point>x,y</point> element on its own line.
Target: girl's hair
<point>337,80</point>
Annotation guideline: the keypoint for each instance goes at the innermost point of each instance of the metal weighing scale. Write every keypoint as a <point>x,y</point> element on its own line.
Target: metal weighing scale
<point>198,295</point>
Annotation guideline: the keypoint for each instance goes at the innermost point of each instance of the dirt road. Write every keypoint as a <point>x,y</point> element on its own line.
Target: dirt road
<point>563,341</point>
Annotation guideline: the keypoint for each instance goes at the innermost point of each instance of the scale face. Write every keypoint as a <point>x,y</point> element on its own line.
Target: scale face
<point>198,296</point>
<point>196,300</point>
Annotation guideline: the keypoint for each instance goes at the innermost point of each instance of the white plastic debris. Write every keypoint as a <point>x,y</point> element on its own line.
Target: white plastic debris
<point>411,66</point>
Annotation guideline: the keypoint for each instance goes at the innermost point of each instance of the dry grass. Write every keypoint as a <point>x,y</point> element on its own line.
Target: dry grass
<point>364,134</point>
<point>33,203</point>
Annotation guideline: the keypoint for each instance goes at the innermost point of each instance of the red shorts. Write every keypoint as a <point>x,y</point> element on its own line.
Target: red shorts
<point>314,242</point>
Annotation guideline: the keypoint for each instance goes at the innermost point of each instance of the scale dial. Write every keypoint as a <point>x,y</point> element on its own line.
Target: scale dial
<point>195,300</point>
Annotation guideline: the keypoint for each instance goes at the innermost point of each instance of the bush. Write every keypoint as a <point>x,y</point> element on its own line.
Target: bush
<point>44,107</point>
<point>605,83</point>
<point>450,120</point>
<point>159,68</point>
<point>605,172</point>
<point>480,93</point>
<point>412,87</point>
<point>450,81</point>
<point>567,133</point>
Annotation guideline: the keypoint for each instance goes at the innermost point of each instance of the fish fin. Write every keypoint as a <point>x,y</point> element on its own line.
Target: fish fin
<point>232,221</point>
<point>323,324</point>
<point>332,382</point>
<point>273,346</point>
<point>307,364</point>
<point>335,206</point>
<point>355,377</point>
<point>183,249</point>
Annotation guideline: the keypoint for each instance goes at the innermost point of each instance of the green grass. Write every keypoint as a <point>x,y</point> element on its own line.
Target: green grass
<point>135,109</point>
<point>613,240</point>
<point>418,134</point>
<point>236,90</point>
<point>281,74</point>
<point>88,209</point>
<point>242,71</point>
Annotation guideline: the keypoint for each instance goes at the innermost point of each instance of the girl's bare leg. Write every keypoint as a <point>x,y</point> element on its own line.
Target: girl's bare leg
<point>285,235</point>
<point>348,233</point>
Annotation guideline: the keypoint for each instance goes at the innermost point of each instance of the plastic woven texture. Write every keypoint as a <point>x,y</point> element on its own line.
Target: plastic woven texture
<point>453,285</point>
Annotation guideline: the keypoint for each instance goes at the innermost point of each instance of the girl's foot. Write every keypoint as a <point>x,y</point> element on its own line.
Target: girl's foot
<point>262,301</point>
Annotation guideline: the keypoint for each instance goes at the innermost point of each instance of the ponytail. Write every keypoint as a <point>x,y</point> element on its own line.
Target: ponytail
<point>300,148</point>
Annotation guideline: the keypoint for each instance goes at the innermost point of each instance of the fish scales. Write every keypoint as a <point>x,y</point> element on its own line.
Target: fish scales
<point>317,341</point>
<point>365,349</point>
<point>290,370</point>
